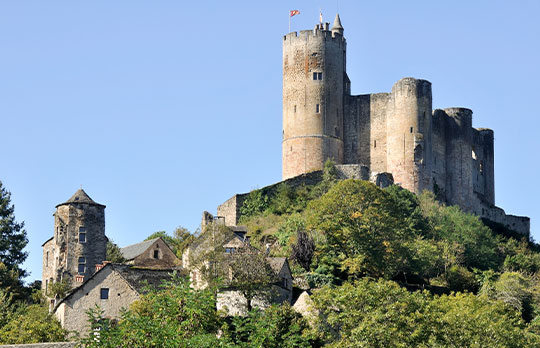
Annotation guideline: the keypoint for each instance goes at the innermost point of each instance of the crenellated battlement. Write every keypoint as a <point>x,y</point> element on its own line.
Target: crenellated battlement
<point>315,34</point>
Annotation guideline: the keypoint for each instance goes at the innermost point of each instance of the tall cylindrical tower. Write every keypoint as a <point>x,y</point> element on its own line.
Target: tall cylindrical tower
<point>313,83</point>
<point>79,238</point>
<point>459,181</point>
<point>409,131</point>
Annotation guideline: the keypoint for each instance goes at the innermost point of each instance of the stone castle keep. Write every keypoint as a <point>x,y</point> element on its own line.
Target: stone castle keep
<point>396,132</point>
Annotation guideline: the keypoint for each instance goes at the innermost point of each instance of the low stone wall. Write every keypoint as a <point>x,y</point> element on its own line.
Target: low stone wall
<point>230,209</point>
<point>43,345</point>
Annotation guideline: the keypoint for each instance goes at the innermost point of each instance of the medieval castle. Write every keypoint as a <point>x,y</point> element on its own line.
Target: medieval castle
<point>396,135</point>
<point>396,132</point>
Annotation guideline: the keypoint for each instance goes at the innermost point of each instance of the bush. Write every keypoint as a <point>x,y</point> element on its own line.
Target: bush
<point>31,324</point>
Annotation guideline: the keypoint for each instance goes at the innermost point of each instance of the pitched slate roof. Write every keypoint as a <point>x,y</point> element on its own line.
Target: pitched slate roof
<point>80,197</point>
<point>132,251</point>
<point>276,263</point>
<point>139,278</point>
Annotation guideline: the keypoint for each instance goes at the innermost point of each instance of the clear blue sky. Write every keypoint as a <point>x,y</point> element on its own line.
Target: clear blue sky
<point>164,109</point>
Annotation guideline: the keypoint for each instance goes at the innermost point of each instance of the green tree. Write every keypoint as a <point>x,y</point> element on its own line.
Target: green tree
<point>12,235</point>
<point>175,315</point>
<point>31,324</point>
<point>455,226</point>
<point>113,252</point>
<point>379,313</point>
<point>361,228</point>
<point>59,289</point>
<point>275,327</point>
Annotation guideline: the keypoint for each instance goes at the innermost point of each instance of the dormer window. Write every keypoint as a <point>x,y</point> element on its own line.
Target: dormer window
<point>156,254</point>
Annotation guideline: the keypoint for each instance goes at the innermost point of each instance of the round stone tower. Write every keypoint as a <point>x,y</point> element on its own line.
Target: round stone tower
<point>409,130</point>
<point>459,181</point>
<point>78,243</point>
<point>313,92</point>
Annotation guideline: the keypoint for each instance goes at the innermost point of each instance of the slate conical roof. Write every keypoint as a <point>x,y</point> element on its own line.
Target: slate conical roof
<point>80,197</point>
<point>337,23</point>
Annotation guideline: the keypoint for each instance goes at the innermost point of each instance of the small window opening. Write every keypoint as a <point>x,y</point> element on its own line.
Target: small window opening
<point>317,108</point>
<point>104,293</point>
<point>82,237</point>
<point>314,76</point>
<point>411,129</point>
<point>374,143</point>
<point>82,265</point>
<point>317,76</point>
<point>47,259</point>
<point>156,254</point>
<point>295,109</point>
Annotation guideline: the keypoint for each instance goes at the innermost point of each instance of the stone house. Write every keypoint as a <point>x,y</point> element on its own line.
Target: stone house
<point>233,246</point>
<point>113,287</point>
<point>279,290</point>
<point>152,253</point>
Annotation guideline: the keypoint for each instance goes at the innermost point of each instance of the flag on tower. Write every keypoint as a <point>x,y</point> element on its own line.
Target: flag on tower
<point>294,12</point>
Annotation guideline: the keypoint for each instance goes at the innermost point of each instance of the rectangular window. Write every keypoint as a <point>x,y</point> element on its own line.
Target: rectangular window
<point>82,259</point>
<point>82,268</point>
<point>104,293</point>
<point>319,76</point>
<point>374,143</point>
<point>295,109</point>
<point>156,254</point>
<point>47,260</point>
<point>317,108</point>
<point>82,234</point>
<point>411,129</point>
<point>314,76</point>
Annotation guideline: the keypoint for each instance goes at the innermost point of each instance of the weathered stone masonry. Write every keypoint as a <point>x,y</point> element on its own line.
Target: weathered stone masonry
<point>78,243</point>
<point>396,132</point>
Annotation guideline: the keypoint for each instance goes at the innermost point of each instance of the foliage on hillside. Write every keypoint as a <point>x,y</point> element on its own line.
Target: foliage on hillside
<point>386,268</point>
<point>27,321</point>
<point>24,317</point>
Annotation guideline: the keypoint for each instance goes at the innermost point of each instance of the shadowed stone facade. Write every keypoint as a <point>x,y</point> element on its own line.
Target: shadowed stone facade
<point>396,132</point>
<point>78,243</point>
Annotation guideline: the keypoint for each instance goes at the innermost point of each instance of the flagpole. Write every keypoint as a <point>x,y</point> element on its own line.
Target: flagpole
<point>289,22</point>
